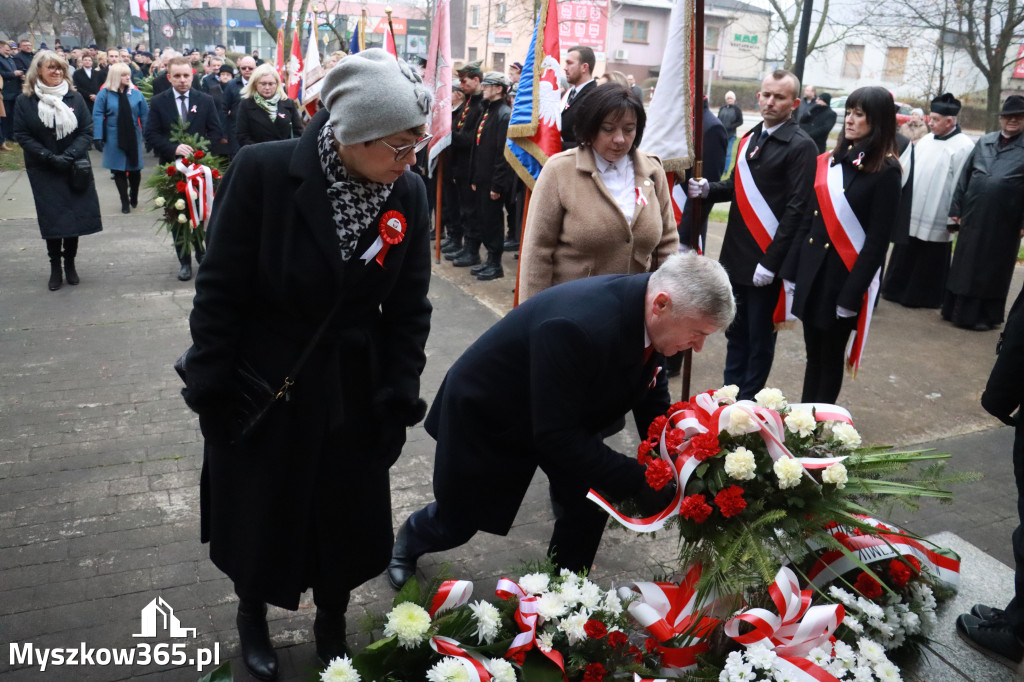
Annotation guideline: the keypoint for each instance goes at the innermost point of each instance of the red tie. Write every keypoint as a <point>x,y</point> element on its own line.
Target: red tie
<point>648,352</point>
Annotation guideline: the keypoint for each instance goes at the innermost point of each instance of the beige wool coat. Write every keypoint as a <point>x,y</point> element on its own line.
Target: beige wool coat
<point>574,228</point>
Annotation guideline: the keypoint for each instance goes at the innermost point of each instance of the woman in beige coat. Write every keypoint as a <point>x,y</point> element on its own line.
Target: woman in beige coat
<point>602,208</point>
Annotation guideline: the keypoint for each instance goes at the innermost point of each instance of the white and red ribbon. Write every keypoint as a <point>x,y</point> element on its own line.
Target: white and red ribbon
<point>198,190</point>
<point>757,214</point>
<point>392,229</point>
<point>526,617</point>
<point>451,595</point>
<point>795,630</point>
<point>641,200</point>
<point>475,668</point>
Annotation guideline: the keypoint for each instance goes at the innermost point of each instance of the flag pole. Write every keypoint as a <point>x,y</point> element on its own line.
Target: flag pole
<point>149,25</point>
<point>696,214</point>
<point>522,240</point>
<point>439,171</point>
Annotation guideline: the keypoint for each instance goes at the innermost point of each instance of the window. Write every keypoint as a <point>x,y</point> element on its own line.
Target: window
<point>634,31</point>
<point>472,54</point>
<point>499,62</point>
<point>474,16</point>
<point>712,36</point>
<point>501,12</point>
<point>853,60</point>
<point>895,64</point>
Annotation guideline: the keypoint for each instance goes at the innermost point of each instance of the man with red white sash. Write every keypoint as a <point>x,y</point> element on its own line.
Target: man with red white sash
<point>769,192</point>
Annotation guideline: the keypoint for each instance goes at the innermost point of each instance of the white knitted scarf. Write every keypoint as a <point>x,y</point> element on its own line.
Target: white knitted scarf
<point>52,110</point>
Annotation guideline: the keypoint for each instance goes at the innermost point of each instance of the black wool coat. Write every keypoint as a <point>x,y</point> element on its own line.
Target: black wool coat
<point>490,172</point>
<point>307,496</point>
<point>254,124</point>
<point>571,112</point>
<point>536,390</point>
<point>163,113</point>
<point>87,85</point>
<point>61,212</point>
<point>464,121</point>
<point>783,170</point>
<point>822,280</point>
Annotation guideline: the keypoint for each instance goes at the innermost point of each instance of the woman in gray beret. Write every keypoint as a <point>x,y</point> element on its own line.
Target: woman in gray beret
<point>317,245</point>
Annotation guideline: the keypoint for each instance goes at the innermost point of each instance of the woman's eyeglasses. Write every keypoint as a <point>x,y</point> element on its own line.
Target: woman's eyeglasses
<point>415,147</point>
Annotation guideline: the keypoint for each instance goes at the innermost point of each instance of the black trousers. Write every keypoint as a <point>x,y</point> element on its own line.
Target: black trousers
<point>1015,609</point>
<point>490,214</point>
<point>467,214</point>
<point>826,348</point>
<point>750,350</point>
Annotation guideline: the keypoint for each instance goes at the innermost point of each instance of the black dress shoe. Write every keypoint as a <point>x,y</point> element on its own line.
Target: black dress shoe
<point>477,269</point>
<point>510,245</point>
<point>993,638</point>
<point>329,631</point>
<point>445,243</point>
<point>452,247</point>
<point>403,565</point>
<point>254,637</point>
<point>466,260</point>
<point>981,327</point>
<point>452,255</point>
<point>492,271</point>
<point>984,612</point>
<point>185,273</point>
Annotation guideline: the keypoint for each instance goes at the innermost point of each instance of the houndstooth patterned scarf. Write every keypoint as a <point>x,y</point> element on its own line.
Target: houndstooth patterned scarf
<point>354,203</point>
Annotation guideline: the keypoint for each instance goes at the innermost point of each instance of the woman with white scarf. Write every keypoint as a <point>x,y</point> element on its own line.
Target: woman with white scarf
<point>53,125</point>
<point>265,113</point>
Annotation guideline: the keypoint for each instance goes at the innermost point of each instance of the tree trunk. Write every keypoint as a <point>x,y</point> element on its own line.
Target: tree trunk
<point>98,14</point>
<point>992,103</point>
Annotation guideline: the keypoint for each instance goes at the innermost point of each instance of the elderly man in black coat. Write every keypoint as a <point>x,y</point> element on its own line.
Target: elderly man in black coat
<point>540,387</point>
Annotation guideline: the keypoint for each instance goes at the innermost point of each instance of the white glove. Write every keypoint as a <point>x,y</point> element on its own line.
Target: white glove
<point>762,276</point>
<point>697,188</point>
<point>842,312</point>
<point>790,287</point>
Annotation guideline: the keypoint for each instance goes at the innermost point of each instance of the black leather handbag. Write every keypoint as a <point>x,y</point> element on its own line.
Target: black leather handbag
<point>81,174</point>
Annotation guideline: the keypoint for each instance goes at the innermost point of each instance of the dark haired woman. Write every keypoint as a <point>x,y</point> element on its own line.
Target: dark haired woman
<point>602,208</point>
<point>833,268</point>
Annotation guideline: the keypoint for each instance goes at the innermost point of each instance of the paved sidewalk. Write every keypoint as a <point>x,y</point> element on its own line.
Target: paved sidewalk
<point>99,457</point>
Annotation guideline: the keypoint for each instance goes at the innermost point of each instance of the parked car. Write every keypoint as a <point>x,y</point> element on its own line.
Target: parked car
<point>839,106</point>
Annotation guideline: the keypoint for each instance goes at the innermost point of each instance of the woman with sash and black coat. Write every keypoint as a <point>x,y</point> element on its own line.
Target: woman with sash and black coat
<point>832,270</point>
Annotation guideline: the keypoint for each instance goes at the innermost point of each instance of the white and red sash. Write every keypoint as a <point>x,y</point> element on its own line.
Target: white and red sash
<point>847,235</point>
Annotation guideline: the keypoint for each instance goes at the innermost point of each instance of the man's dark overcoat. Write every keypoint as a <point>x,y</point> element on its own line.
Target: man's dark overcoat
<point>308,493</point>
<point>163,113</point>
<point>61,212</point>
<point>536,390</point>
<point>572,110</point>
<point>87,83</point>
<point>989,200</point>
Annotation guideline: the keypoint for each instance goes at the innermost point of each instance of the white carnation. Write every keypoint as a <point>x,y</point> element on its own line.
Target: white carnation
<point>534,583</point>
<point>801,422</point>
<point>789,472</point>
<point>487,619</point>
<point>740,464</point>
<point>571,592</point>
<point>180,204</point>
<point>159,201</point>
<point>846,435</point>
<point>501,670</point>
<point>448,669</point>
<point>726,394</point>
<point>551,605</point>
<point>340,670</point>
<point>590,595</point>
<point>573,626</point>
<point>741,422</point>
<point>771,398</point>
<point>835,474</point>
<point>612,604</point>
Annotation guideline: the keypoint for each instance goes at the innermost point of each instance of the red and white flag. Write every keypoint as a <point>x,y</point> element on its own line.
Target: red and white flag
<point>438,77</point>
<point>312,75</point>
<point>670,114</point>
<point>138,9</point>
<point>389,41</point>
<point>280,54</point>
<point>295,68</point>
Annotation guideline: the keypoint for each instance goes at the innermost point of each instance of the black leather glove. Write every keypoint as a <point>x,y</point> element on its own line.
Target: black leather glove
<point>650,501</point>
<point>390,442</point>
<point>98,144</point>
<point>60,162</point>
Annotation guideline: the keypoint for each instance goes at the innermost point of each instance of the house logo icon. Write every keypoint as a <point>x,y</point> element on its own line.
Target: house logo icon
<point>158,616</point>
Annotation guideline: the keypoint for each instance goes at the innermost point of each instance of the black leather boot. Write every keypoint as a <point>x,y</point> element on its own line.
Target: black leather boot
<point>254,636</point>
<point>329,632</point>
<point>121,182</point>
<point>133,187</point>
<point>56,275</point>
<point>403,563</point>
<point>70,251</point>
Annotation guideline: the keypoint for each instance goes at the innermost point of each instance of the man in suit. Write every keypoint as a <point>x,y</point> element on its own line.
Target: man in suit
<point>13,76</point>
<point>87,80</point>
<point>181,102</point>
<point>579,72</point>
<point>24,55</point>
<point>232,99</point>
<point>540,387</point>
<point>775,171</point>
<point>211,73</point>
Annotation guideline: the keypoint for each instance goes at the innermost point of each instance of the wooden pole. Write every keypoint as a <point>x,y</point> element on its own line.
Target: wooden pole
<point>439,171</point>
<point>522,240</point>
<point>698,154</point>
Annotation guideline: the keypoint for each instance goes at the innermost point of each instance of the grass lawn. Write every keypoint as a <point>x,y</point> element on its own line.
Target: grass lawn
<point>12,160</point>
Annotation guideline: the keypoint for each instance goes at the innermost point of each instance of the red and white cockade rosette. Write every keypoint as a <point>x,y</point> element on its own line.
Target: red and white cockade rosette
<point>667,611</point>
<point>705,415</point>
<point>888,543</point>
<point>527,618</point>
<point>198,190</point>
<point>391,228</point>
<point>794,631</point>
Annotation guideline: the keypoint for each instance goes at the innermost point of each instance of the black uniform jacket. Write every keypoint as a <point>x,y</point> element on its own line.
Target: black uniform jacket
<point>822,280</point>
<point>464,122</point>
<point>783,170</point>
<point>536,390</point>
<point>254,124</point>
<point>312,480</point>
<point>490,171</point>
<point>163,113</point>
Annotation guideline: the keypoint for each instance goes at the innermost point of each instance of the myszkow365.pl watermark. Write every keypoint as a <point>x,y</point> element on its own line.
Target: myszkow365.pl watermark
<point>157,618</point>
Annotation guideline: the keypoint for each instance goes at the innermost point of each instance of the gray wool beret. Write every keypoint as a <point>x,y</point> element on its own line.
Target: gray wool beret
<point>371,95</point>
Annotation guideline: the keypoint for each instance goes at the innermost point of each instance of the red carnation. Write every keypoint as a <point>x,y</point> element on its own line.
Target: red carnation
<point>913,562</point>
<point>180,186</point>
<point>730,501</point>
<point>705,445</point>
<point>635,653</point>
<point>868,586</point>
<point>900,572</point>
<point>643,452</point>
<point>617,639</point>
<point>215,173</point>
<point>681,405</point>
<point>673,439</point>
<point>659,473</point>
<point>170,171</point>
<point>595,629</point>
<point>695,507</point>
<point>656,427</point>
<point>595,672</point>
<point>199,154</point>
<point>651,645</point>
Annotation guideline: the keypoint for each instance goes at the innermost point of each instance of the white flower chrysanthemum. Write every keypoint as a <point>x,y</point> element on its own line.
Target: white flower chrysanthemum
<point>801,422</point>
<point>488,620</point>
<point>887,672</point>
<point>534,583</point>
<point>863,673</point>
<point>567,574</point>
<point>546,640</point>
<point>448,669</point>
<point>740,464</point>
<point>180,204</point>
<point>789,472</point>
<point>854,624</point>
<point>726,394</point>
<point>771,398</point>
<point>340,670</point>
<point>843,651</point>
<point>408,622</point>
<point>761,657</point>
<point>573,626</point>
<point>159,201</point>
<point>182,218</point>
<point>741,422</point>
<point>551,605</point>
<point>571,592</point>
<point>835,474</point>
<point>870,608</point>
<point>842,595</point>
<point>612,604</point>
<point>871,650</point>
<point>591,595</point>
<point>501,670</point>
<point>846,435</point>
<point>911,622</point>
